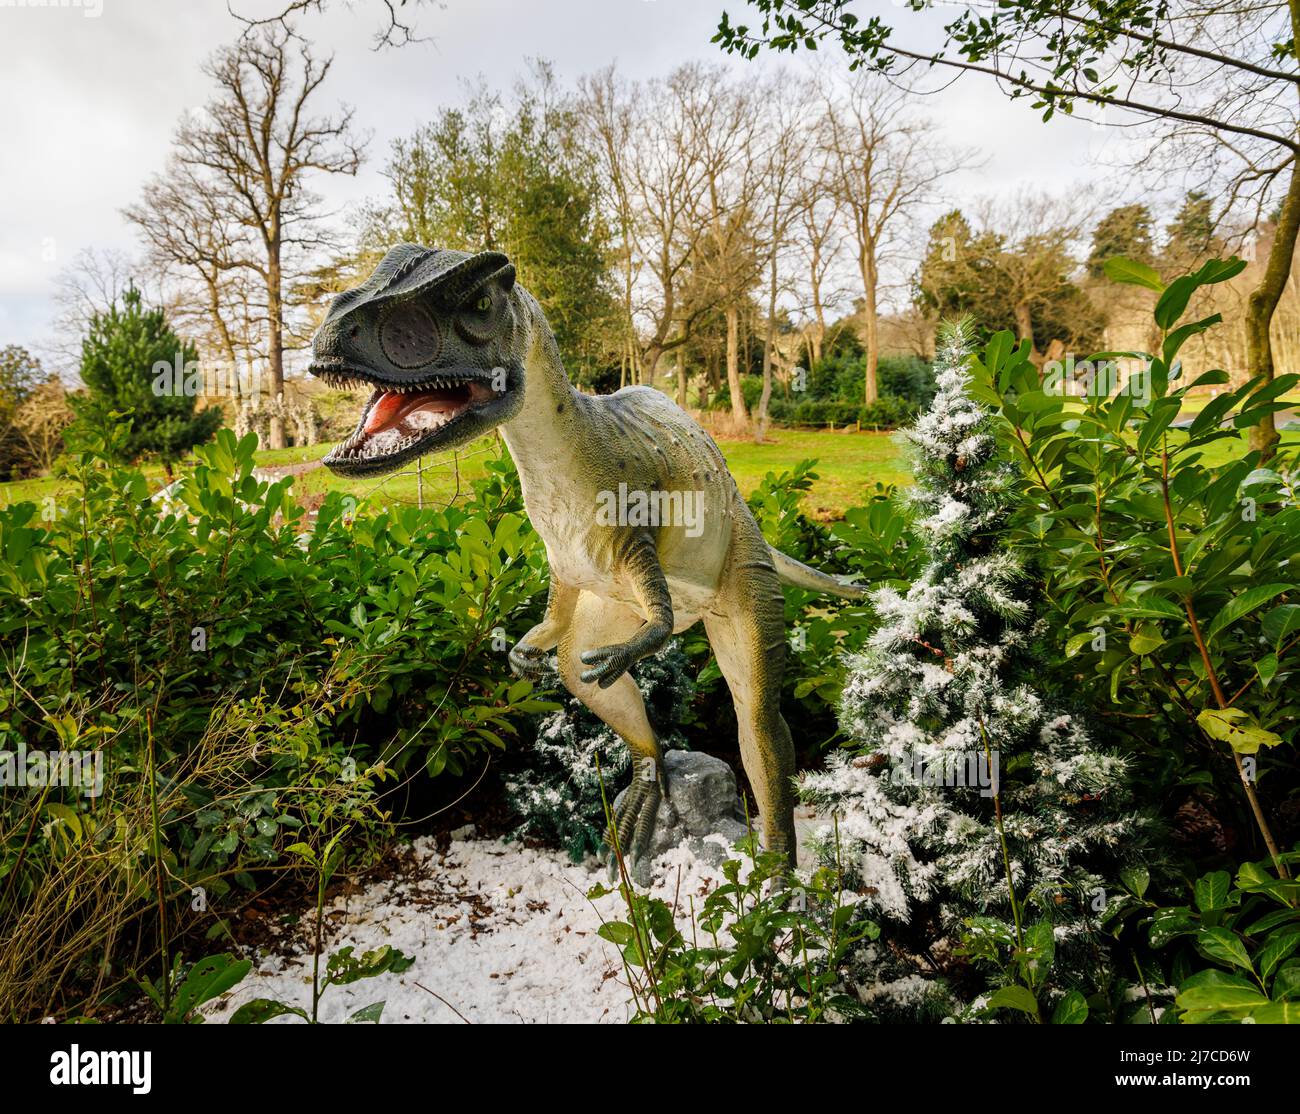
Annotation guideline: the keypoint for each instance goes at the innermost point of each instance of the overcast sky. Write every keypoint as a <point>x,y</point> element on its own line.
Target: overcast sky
<point>90,102</point>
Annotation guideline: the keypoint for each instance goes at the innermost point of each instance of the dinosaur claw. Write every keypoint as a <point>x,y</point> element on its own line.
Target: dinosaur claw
<point>527,661</point>
<point>634,820</point>
<point>608,664</point>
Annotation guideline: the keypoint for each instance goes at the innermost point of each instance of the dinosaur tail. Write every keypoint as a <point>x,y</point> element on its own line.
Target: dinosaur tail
<point>797,573</point>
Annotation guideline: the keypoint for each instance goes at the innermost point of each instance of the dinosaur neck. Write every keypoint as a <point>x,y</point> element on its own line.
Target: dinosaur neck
<point>541,437</point>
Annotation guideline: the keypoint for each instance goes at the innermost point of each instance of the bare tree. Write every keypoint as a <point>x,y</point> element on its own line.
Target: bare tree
<point>819,238</point>
<point>195,240</point>
<point>1039,240</point>
<point>782,185</point>
<point>253,148</point>
<point>393,32</point>
<point>885,166</point>
<point>648,140</point>
<point>41,420</point>
<point>728,130</point>
<point>91,284</point>
<point>1216,85</point>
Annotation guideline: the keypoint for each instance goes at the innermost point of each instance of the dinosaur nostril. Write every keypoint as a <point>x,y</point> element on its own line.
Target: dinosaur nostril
<point>409,336</point>
<point>354,332</point>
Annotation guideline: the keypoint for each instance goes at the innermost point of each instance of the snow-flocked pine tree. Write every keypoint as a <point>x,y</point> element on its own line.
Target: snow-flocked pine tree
<point>557,791</point>
<point>943,709</point>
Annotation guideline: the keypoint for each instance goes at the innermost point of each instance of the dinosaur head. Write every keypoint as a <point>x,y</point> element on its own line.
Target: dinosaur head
<point>439,336</point>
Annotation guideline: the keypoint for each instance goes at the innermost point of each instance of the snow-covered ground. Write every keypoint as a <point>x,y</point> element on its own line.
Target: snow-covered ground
<point>499,933</point>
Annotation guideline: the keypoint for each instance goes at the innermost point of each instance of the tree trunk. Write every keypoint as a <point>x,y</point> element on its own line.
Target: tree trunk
<point>646,364</point>
<point>227,343</point>
<point>818,331</point>
<point>1262,304</point>
<point>769,335</point>
<point>681,377</point>
<point>870,342</point>
<point>738,409</point>
<point>1025,331</point>
<point>275,353</point>
<point>870,325</point>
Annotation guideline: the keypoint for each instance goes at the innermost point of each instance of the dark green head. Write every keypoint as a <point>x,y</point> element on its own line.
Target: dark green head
<point>440,336</point>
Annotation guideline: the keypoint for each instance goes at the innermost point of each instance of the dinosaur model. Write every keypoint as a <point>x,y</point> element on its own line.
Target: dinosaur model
<point>645,531</point>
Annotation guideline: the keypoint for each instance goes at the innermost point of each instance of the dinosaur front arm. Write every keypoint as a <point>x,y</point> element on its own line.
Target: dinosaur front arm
<point>526,657</point>
<point>637,560</point>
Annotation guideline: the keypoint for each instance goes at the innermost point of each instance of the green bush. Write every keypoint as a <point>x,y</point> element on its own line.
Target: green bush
<point>243,676</point>
<point>751,389</point>
<point>839,377</point>
<point>1176,621</point>
<point>758,953</point>
<point>1230,951</point>
<point>886,412</point>
<point>1173,580</point>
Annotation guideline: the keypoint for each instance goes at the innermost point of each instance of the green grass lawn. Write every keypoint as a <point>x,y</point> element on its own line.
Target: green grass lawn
<point>848,467</point>
<point>849,464</point>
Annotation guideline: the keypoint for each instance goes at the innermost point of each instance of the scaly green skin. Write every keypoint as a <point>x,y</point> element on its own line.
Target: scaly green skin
<point>618,592</point>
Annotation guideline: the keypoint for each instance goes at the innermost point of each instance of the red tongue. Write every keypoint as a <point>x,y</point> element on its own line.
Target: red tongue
<point>383,411</point>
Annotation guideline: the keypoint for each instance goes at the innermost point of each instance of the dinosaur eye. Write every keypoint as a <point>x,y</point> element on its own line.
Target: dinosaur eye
<point>480,315</point>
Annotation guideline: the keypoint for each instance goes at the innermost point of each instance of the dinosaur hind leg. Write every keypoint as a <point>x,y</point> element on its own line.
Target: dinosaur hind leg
<point>600,622</point>
<point>747,632</point>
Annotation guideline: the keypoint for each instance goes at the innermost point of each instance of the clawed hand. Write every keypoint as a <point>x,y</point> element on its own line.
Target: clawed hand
<point>527,661</point>
<point>608,663</point>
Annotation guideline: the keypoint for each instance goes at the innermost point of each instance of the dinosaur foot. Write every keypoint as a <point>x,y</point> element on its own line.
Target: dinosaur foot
<point>635,816</point>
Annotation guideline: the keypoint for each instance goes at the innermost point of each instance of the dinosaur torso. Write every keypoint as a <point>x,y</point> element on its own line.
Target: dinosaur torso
<point>632,450</point>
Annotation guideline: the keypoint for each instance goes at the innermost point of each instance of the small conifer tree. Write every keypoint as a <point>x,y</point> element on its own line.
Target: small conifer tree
<point>977,818</point>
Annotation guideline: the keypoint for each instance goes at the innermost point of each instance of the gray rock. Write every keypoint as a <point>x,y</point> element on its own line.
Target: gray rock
<point>701,802</point>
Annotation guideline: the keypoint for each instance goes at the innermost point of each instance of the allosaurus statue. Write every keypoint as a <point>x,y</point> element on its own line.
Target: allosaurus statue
<point>453,346</point>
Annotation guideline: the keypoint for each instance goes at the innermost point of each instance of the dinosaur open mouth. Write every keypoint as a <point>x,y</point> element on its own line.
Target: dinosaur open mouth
<point>405,420</point>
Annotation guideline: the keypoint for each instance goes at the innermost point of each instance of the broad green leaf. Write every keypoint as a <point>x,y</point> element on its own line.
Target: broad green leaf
<point>1172,303</point>
<point>616,932</point>
<point>370,1013</point>
<point>261,1010</point>
<point>1220,999</point>
<point>1015,998</point>
<point>1136,878</point>
<point>1071,1010</point>
<point>1281,624</point>
<point>1236,728</point>
<point>1211,891</point>
<point>1120,268</point>
<point>1277,1013</point>
<point>1278,948</point>
<point>1225,946</point>
<point>1145,640</point>
<point>1243,605</point>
